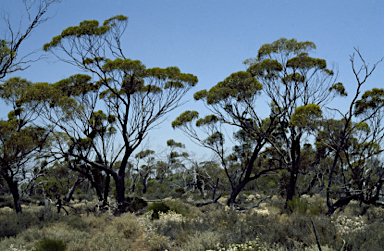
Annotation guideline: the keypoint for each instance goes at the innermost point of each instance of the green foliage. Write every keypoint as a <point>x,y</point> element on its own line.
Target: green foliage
<point>370,100</point>
<point>158,207</point>
<point>305,116</point>
<point>215,138</point>
<point>180,190</point>
<point>302,61</point>
<point>184,118</point>
<point>6,55</point>
<point>339,89</point>
<point>178,206</point>
<point>172,143</point>
<point>284,45</point>
<point>266,68</point>
<point>240,86</point>
<point>51,245</point>
<point>144,153</point>
<point>207,120</point>
<point>87,28</point>
<point>136,203</point>
<point>298,204</point>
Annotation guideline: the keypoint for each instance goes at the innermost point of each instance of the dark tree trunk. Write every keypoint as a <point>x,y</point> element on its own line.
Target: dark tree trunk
<point>120,192</point>
<point>15,193</point>
<point>295,153</point>
<point>106,188</point>
<point>215,188</point>
<point>145,180</point>
<point>235,191</point>
<point>341,203</point>
<point>97,189</point>
<point>311,184</point>
<point>72,190</point>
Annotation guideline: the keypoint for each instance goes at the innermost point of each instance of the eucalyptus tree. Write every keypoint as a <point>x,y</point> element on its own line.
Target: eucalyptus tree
<point>147,168</point>
<point>11,40</point>
<point>136,98</point>
<point>297,86</point>
<point>355,143</point>
<point>21,140</point>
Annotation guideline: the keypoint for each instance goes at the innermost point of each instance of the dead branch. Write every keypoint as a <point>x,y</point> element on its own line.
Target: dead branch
<point>314,230</point>
<point>257,205</point>
<point>210,202</point>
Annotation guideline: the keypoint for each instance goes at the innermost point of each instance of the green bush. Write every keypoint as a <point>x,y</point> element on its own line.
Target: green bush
<point>180,190</point>
<point>158,207</point>
<point>136,203</point>
<point>178,206</point>
<point>51,245</point>
<point>298,205</point>
<point>317,208</point>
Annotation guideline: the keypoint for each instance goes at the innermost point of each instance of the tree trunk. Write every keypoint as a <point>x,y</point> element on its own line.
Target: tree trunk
<point>236,191</point>
<point>72,190</point>
<point>145,180</point>
<point>106,188</point>
<point>15,193</point>
<point>295,153</point>
<point>232,198</point>
<point>120,192</point>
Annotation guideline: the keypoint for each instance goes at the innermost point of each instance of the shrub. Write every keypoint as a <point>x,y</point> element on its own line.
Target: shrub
<point>77,223</point>
<point>12,224</point>
<point>317,207</point>
<point>177,192</point>
<point>157,207</point>
<point>136,203</point>
<point>248,246</point>
<point>372,238</point>
<point>298,205</point>
<point>202,241</point>
<point>178,206</point>
<point>180,190</point>
<point>157,242</point>
<point>51,245</point>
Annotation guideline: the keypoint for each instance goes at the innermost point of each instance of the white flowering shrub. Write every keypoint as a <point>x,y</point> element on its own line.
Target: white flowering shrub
<point>250,198</point>
<point>248,246</point>
<point>19,248</point>
<point>263,212</point>
<point>345,225</point>
<point>146,222</point>
<point>170,216</point>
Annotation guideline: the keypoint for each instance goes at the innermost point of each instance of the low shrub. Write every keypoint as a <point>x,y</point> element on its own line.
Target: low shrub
<point>136,203</point>
<point>178,206</point>
<point>298,205</point>
<point>157,207</point>
<point>248,246</point>
<point>50,245</point>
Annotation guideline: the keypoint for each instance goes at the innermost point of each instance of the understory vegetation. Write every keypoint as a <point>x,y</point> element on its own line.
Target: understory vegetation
<point>181,225</point>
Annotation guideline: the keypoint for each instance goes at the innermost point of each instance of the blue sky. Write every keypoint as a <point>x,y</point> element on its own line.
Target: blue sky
<point>211,39</point>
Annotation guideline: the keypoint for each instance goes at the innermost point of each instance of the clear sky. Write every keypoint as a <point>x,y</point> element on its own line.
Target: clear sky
<point>211,38</point>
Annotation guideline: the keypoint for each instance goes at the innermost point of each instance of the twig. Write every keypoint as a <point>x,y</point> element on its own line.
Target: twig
<point>209,202</point>
<point>314,230</point>
<point>257,205</point>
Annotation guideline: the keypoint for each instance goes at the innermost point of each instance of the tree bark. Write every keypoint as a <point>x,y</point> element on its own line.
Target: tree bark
<point>120,192</point>
<point>15,193</point>
<point>295,153</point>
<point>236,191</point>
<point>106,188</point>
<point>72,190</point>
